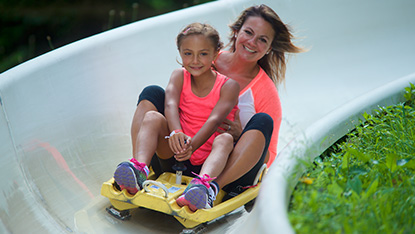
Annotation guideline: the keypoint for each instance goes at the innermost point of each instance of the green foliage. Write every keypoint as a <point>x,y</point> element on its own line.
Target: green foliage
<point>409,95</point>
<point>29,28</point>
<point>366,183</point>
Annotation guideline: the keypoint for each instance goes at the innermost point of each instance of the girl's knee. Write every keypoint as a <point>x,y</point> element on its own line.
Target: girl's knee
<point>224,138</point>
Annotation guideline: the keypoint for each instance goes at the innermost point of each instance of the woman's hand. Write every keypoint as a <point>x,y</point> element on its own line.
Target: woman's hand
<point>232,127</point>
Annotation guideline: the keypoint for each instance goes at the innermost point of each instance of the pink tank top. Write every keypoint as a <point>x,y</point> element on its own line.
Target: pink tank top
<point>194,111</point>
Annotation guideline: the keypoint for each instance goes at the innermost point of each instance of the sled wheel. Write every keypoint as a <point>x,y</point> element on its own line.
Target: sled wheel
<point>121,215</point>
<point>201,228</point>
<point>248,206</point>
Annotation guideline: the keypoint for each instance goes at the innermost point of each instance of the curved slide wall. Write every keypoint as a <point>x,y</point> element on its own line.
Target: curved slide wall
<point>65,116</point>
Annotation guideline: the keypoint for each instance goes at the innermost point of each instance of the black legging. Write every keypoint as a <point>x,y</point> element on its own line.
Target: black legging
<point>260,121</point>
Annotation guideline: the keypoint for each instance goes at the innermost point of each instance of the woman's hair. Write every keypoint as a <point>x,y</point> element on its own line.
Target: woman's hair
<point>200,29</point>
<point>274,63</point>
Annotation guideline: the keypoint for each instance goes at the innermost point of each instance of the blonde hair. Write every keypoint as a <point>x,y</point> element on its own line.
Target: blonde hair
<point>274,63</point>
<point>200,29</point>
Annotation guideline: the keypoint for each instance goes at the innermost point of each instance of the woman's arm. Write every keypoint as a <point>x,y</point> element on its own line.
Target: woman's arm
<point>232,127</point>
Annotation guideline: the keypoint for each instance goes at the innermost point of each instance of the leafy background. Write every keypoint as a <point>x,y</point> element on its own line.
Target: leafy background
<point>29,28</point>
<point>364,183</point>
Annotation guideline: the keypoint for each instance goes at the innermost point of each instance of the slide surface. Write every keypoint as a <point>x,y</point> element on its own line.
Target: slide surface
<point>65,116</point>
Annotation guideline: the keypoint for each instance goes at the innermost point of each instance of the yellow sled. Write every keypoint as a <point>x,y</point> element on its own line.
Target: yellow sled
<point>160,195</point>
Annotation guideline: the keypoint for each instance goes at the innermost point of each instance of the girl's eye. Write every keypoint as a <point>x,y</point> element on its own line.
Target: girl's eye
<point>204,54</point>
<point>187,53</point>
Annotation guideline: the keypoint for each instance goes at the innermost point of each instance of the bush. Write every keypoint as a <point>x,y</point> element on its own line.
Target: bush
<point>364,183</point>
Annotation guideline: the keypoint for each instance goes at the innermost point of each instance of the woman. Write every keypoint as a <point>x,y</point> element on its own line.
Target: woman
<point>256,60</point>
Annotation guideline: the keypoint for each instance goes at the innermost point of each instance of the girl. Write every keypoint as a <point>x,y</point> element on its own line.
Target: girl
<point>197,101</point>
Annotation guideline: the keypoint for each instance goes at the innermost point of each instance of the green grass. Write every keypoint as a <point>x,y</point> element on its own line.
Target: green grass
<point>365,183</point>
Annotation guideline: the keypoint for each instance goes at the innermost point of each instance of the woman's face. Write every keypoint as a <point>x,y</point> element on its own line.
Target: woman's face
<point>254,38</point>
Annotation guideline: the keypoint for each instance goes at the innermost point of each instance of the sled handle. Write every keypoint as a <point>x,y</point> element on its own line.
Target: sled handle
<point>155,183</point>
<point>260,172</point>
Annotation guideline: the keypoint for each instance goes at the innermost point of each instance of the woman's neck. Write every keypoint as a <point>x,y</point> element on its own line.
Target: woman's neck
<point>241,66</point>
<point>237,69</point>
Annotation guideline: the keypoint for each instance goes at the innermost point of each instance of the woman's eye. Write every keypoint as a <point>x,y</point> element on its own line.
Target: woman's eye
<point>204,54</point>
<point>187,53</point>
<point>263,40</point>
<point>248,32</point>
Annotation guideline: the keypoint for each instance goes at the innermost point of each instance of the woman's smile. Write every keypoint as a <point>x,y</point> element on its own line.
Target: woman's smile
<point>255,37</point>
<point>248,49</point>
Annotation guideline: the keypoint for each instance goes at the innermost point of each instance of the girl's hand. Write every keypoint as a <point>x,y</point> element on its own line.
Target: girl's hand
<point>232,127</point>
<point>179,143</point>
<point>185,155</point>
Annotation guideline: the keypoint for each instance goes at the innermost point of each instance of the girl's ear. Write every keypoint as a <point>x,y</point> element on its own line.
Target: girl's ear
<point>215,55</point>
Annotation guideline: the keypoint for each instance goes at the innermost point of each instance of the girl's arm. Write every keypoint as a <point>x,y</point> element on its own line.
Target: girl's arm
<point>228,99</point>
<point>171,111</point>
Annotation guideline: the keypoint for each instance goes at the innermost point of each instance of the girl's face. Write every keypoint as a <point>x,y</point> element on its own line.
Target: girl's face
<point>197,53</point>
<point>254,38</point>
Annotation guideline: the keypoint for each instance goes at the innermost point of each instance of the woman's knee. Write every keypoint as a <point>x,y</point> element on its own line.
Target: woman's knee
<point>263,119</point>
<point>154,94</point>
<point>261,122</point>
<point>152,90</point>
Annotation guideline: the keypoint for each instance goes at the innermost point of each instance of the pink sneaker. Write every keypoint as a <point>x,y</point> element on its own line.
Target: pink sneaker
<point>131,175</point>
<point>198,194</point>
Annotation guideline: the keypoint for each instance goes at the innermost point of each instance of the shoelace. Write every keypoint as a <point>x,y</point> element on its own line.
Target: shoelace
<point>141,165</point>
<point>211,199</point>
<point>204,179</point>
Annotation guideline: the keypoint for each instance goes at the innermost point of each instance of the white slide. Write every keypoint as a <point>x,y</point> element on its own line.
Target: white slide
<point>65,116</point>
